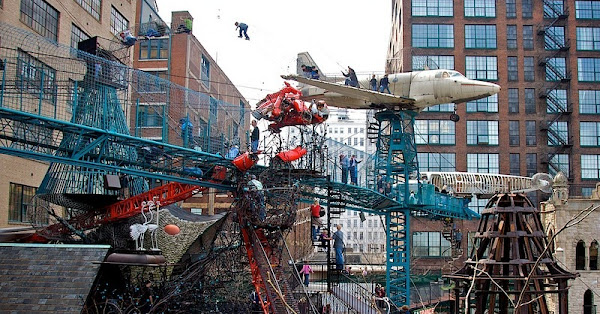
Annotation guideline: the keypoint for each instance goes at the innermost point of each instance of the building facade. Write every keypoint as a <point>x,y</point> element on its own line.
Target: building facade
<point>210,114</point>
<point>59,22</point>
<point>542,54</point>
<point>573,222</point>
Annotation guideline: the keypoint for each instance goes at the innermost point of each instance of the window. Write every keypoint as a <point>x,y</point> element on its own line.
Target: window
<point>588,302</point>
<point>487,104</point>
<point>35,77</point>
<point>480,36</point>
<point>41,17</point>
<point>91,6</point>
<point>527,8</point>
<point>528,37</point>
<point>530,133</point>
<point>433,36</point>
<point>441,108</point>
<point>556,69</point>
<point>432,8</point>
<point>513,100</point>
<point>531,164</point>
<point>77,35</point>
<point>118,22</point>
<point>558,133</point>
<point>205,71</point>
<point>483,163</point>
<point>587,191</point>
<point>480,8</point>
<point>588,69</point>
<point>434,132</point>
<point>154,48</point>
<point>511,36</point>
<point>580,255</point>
<point>511,8</point>
<point>21,197</point>
<point>436,162</point>
<point>482,68</point>
<point>151,115</point>
<point>530,100</point>
<point>589,101</point>
<point>243,114</point>
<point>553,8</point>
<point>528,69</point>
<point>559,162</point>
<point>477,205</point>
<point>513,133</point>
<point>513,69</point>
<point>556,101</point>
<point>587,9</point>
<point>589,133</point>
<point>588,38</point>
<point>515,165</point>
<point>430,244</point>
<point>482,132</point>
<point>594,255</point>
<point>213,111</point>
<point>432,62</point>
<point>554,38</point>
<point>590,166</point>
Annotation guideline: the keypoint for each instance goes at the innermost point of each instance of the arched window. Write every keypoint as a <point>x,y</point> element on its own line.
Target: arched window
<point>588,302</point>
<point>580,255</point>
<point>594,255</point>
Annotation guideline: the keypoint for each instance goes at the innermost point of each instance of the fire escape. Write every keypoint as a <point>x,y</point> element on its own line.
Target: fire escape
<point>556,88</point>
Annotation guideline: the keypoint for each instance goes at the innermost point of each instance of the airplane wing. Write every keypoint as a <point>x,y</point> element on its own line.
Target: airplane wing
<point>358,93</point>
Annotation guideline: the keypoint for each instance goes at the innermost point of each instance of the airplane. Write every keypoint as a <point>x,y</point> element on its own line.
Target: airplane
<point>410,90</point>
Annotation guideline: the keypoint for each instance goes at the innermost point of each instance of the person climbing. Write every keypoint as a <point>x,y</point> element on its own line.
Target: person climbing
<point>373,83</point>
<point>458,239</point>
<point>384,84</point>
<point>243,27</point>
<point>127,39</point>
<point>320,111</point>
<point>316,223</point>
<point>351,78</point>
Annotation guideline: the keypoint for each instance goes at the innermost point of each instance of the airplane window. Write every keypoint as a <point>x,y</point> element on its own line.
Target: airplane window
<point>455,74</point>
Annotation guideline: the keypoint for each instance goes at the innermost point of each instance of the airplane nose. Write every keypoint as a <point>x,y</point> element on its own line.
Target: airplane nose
<point>473,88</point>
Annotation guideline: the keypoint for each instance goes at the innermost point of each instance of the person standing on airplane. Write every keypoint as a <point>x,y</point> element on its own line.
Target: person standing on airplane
<point>384,84</point>
<point>373,83</point>
<point>243,29</point>
<point>351,78</point>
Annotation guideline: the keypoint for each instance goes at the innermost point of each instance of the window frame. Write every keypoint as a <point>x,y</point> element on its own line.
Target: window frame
<point>488,73</point>
<point>480,36</point>
<point>483,132</point>
<point>429,35</point>
<point>38,15</point>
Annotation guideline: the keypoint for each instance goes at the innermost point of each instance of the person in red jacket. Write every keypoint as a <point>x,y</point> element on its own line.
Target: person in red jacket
<point>315,213</point>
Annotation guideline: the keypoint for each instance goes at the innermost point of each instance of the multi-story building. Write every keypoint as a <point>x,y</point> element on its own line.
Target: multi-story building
<point>544,56</point>
<point>59,22</point>
<point>211,104</point>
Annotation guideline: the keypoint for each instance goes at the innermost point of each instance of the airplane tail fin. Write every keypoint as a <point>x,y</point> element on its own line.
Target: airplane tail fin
<point>310,70</point>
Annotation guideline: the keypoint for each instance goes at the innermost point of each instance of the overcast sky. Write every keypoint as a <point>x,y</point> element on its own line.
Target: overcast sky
<point>337,33</point>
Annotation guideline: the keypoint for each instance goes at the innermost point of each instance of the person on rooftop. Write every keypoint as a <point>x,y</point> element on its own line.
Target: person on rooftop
<point>243,27</point>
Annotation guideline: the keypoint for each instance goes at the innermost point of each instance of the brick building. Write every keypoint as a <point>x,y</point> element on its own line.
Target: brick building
<point>545,119</point>
<point>62,22</point>
<point>218,113</point>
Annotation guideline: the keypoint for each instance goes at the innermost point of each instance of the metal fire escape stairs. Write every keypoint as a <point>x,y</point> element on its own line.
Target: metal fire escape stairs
<point>557,108</point>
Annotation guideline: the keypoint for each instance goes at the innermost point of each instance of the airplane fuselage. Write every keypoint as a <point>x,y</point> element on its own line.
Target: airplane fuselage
<point>427,88</point>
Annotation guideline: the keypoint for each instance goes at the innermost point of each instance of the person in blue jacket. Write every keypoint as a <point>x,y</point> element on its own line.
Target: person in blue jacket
<point>243,27</point>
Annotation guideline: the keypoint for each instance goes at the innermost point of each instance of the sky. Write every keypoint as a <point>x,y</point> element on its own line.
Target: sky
<point>337,34</point>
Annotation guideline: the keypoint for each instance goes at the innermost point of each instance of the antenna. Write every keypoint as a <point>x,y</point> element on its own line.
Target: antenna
<point>540,181</point>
